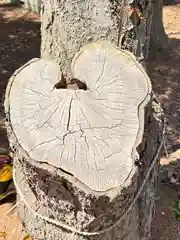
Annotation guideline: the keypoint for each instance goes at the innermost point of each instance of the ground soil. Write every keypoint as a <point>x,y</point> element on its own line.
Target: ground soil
<point>20,41</point>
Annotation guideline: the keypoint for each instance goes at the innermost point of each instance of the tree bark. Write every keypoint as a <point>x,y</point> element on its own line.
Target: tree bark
<point>103,188</point>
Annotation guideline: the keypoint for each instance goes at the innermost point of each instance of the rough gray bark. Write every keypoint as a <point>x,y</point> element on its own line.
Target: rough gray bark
<point>159,39</point>
<point>66,26</point>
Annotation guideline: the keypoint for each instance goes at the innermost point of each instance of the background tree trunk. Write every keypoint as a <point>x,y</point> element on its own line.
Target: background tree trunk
<point>159,39</point>
<point>54,204</point>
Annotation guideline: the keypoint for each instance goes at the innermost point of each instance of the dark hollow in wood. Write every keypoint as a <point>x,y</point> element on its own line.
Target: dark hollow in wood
<point>64,84</point>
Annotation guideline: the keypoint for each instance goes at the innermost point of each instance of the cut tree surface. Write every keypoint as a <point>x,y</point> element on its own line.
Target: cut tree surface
<point>91,134</point>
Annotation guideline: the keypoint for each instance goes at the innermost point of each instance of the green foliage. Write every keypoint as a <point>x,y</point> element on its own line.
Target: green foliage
<point>176,210</point>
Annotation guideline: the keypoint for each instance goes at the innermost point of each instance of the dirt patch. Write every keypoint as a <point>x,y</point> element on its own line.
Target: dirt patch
<point>165,76</point>
<point>19,42</point>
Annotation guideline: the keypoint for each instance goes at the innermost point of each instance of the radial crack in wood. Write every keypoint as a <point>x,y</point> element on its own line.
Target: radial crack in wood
<point>91,134</point>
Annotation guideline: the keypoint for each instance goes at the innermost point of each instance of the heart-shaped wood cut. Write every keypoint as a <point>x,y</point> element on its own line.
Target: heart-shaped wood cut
<point>91,134</point>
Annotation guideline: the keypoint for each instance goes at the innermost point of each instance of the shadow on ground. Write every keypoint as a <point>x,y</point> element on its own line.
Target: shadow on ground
<point>170,2</point>
<point>19,42</point>
<point>164,72</point>
<point>165,226</point>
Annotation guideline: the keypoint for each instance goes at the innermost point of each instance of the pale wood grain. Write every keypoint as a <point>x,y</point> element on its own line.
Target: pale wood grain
<point>92,133</point>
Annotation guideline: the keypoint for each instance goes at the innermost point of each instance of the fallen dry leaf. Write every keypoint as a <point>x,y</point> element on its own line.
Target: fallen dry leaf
<point>3,234</point>
<point>28,237</point>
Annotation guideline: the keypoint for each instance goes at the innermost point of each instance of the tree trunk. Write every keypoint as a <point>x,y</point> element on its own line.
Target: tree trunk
<point>86,159</point>
<point>67,26</point>
<point>159,40</point>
